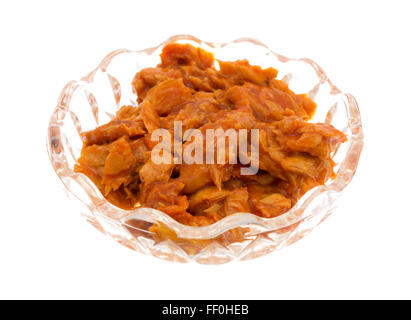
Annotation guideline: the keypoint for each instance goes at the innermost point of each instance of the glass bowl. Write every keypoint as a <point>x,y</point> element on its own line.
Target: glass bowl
<point>94,99</point>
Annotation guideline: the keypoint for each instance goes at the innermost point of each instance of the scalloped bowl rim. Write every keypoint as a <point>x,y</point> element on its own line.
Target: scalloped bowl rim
<point>293,216</point>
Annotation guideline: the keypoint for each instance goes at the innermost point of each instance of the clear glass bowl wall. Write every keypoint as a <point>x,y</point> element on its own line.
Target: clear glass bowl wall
<point>94,100</point>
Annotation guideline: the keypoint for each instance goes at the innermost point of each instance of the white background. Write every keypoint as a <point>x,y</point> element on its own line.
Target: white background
<point>47,250</point>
